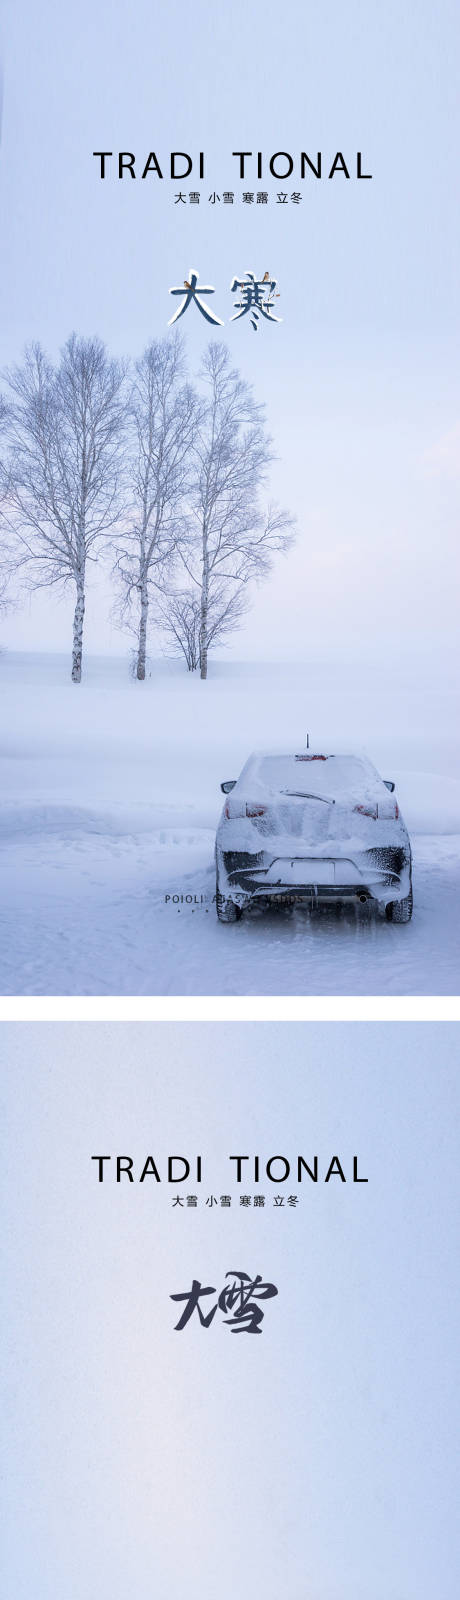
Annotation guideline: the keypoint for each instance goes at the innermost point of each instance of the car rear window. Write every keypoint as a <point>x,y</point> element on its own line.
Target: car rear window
<point>341,777</point>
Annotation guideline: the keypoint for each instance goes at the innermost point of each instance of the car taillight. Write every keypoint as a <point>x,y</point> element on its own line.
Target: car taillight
<point>387,813</point>
<point>243,808</point>
<point>234,808</point>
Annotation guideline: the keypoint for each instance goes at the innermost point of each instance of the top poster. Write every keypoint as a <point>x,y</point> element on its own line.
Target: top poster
<point>229,488</point>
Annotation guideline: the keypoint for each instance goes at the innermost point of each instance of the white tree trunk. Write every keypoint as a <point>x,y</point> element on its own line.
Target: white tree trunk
<point>203,637</point>
<point>79,617</point>
<point>142,641</point>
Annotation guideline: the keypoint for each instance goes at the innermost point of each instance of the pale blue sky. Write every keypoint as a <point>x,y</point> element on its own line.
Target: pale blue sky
<point>361,378</point>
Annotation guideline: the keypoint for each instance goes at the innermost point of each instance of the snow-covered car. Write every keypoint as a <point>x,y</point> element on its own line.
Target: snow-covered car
<point>311,827</point>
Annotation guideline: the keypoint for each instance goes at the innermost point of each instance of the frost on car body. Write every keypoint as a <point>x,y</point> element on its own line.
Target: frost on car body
<point>312,827</point>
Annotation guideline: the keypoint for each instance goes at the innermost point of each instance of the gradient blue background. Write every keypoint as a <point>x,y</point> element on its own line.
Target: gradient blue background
<point>316,1461</point>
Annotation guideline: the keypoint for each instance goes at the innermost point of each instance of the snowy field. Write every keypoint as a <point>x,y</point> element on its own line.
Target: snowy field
<point>109,802</point>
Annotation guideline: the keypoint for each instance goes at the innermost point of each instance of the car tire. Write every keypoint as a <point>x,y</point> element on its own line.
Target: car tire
<point>400,910</point>
<point>227,911</point>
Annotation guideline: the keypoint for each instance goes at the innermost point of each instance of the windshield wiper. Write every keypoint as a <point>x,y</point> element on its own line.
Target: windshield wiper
<point>303,794</point>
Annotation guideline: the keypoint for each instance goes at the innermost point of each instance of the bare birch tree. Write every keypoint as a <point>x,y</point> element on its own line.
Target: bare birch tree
<point>234,540</point>
<point>163,412</point>
<point>65,466</point>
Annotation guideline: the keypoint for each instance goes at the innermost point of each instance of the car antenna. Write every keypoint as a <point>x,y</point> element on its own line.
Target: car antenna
<point>307,740</point>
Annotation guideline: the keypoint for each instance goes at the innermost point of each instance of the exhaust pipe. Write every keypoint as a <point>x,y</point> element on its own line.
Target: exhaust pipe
<point>362,899</point>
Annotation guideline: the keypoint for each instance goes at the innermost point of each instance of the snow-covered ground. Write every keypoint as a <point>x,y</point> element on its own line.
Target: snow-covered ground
<point>109,802</point>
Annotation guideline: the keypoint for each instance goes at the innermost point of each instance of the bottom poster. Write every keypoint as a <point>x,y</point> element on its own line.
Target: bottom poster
<point>232,1311</point>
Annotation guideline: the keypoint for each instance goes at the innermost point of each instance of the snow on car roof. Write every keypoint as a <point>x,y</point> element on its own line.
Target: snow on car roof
<point>342,777</point>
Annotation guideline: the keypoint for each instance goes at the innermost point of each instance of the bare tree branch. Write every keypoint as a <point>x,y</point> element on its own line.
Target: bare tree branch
<point>179,614</point>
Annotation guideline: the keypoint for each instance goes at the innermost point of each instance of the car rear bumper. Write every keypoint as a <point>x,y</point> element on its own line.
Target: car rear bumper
<point>380,874</point>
